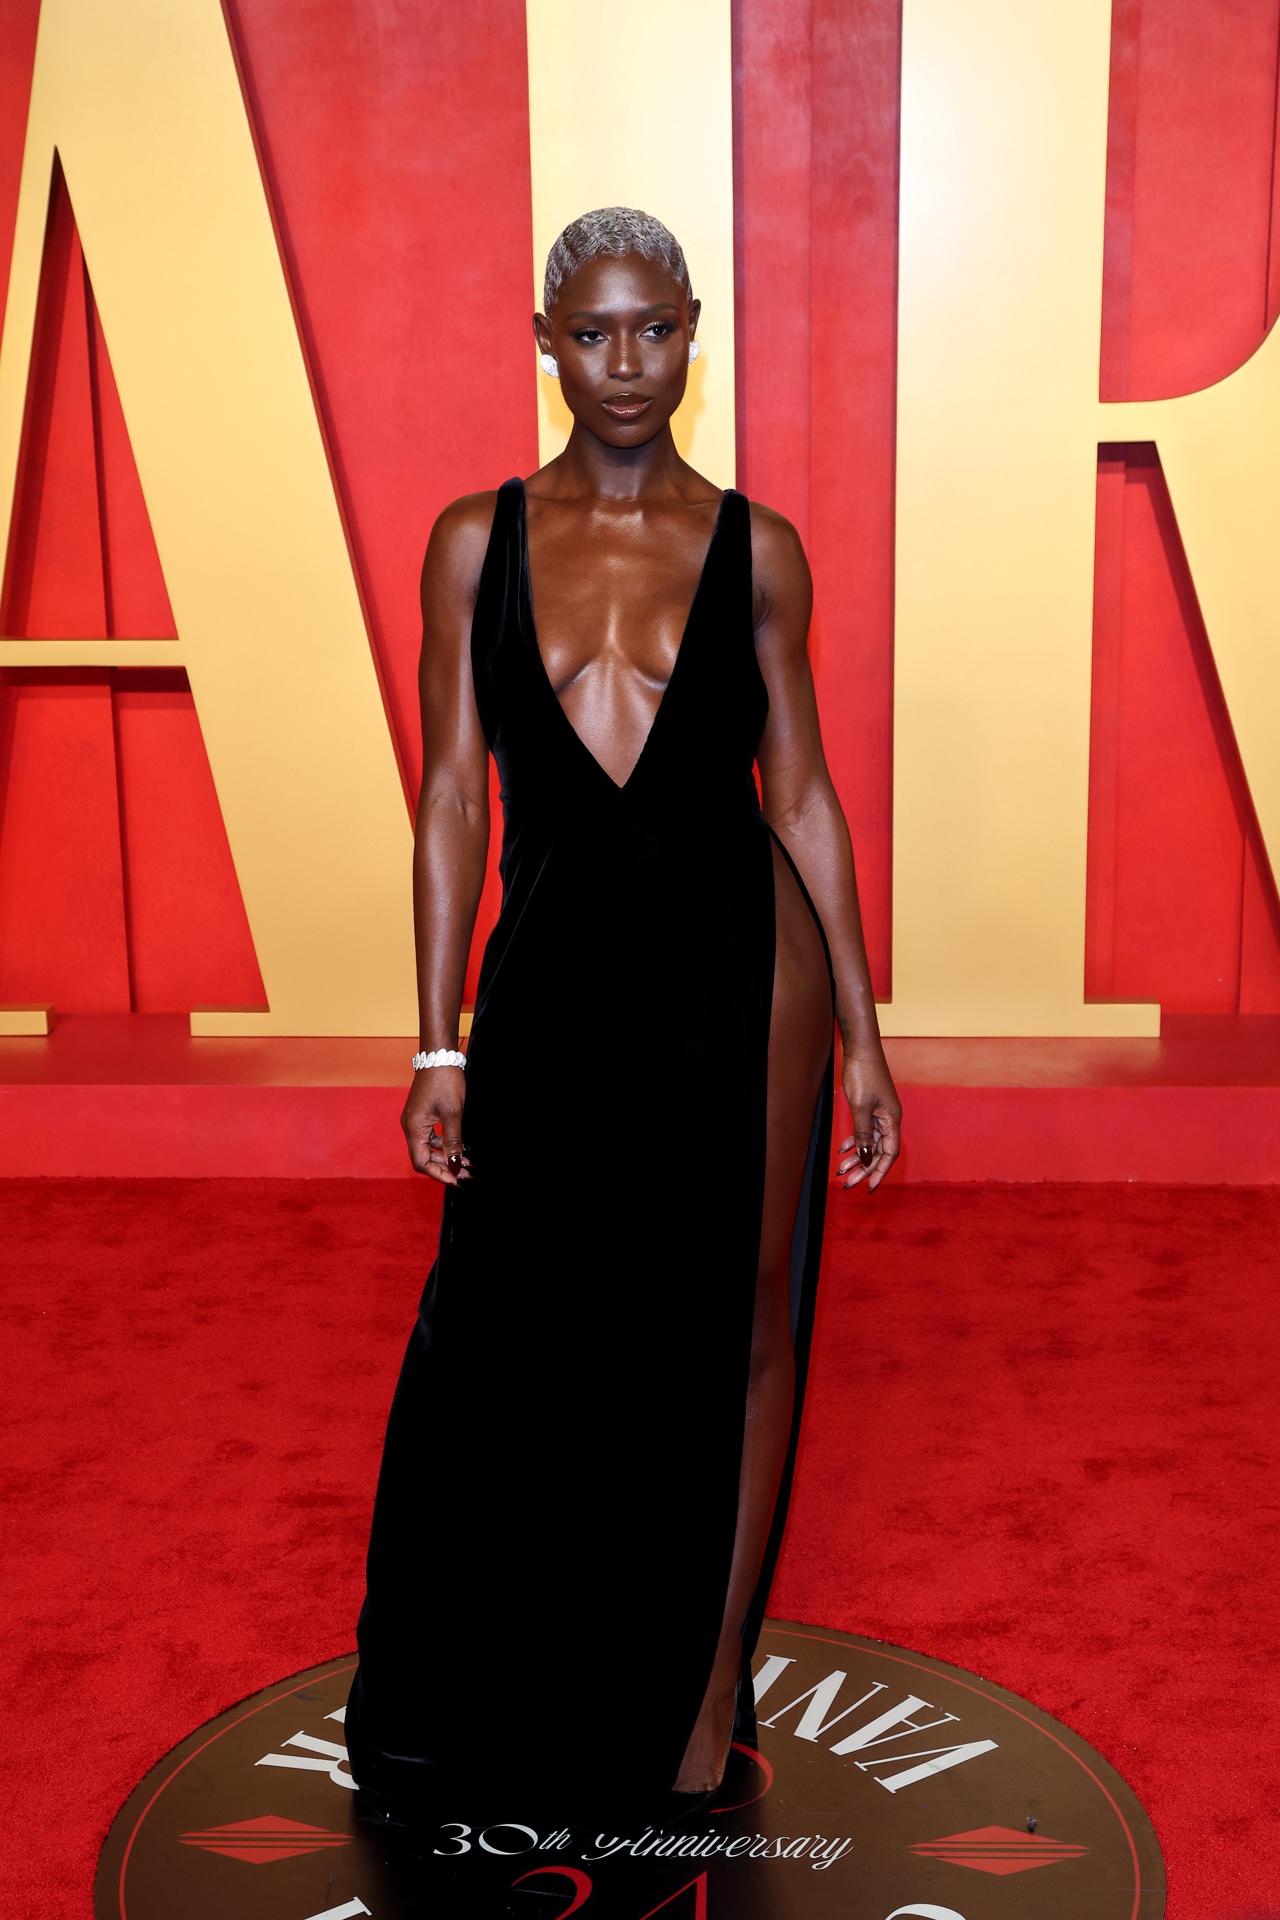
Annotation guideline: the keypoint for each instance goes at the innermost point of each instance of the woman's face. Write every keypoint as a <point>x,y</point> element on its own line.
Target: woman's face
<point>620,332</point>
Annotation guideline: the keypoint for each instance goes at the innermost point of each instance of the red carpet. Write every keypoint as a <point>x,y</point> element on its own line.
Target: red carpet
<point>1040,1444</point>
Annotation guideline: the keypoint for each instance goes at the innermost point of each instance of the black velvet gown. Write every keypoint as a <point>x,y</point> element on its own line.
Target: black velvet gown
<point>556,1508</point>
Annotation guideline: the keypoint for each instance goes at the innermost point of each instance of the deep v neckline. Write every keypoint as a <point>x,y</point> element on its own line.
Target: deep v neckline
<point>540,667</point>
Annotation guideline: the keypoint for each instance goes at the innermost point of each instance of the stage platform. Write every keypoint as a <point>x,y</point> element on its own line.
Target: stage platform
<point>134,1094</point>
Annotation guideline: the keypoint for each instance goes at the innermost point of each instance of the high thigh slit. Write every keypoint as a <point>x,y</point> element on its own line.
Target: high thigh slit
<point>802,1027</point>
<point>558,1502</point>
<point>802,1018</point>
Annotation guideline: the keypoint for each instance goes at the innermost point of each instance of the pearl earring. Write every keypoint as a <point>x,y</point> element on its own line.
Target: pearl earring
<point>550,364</point>
<point>694,349</point>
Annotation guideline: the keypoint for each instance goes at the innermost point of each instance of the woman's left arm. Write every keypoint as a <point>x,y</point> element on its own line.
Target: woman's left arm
<point>800,804</point>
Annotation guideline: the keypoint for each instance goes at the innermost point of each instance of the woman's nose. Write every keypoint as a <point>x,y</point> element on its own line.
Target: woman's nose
<point>624,362</point>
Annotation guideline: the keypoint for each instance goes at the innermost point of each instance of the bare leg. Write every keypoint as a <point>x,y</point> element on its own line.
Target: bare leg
<point>799,1043</point>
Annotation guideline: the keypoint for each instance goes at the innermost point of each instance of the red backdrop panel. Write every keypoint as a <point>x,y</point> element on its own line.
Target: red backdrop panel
<point>411,146</point>
<point>1181,901</point>
<point>816,173</point>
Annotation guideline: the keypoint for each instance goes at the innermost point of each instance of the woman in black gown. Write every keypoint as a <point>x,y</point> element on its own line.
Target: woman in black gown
<point>589,1453</point>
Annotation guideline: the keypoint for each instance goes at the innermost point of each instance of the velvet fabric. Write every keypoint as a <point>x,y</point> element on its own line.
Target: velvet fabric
<point>557,1503</point>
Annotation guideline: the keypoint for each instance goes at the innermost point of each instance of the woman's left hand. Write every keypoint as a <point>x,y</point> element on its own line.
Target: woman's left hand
<point>877,1115</point>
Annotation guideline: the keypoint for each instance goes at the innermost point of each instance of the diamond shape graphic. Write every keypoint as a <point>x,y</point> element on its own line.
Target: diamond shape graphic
<point>270,1837</point>
<point>999,1850</point>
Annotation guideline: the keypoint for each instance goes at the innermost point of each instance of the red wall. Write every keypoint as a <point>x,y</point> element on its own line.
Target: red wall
<point>394,151</point>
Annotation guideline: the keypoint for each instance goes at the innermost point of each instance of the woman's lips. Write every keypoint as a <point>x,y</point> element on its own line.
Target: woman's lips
<point>625,409</point>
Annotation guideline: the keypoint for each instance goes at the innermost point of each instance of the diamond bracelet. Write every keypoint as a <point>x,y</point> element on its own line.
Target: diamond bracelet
<point>440,1057</point>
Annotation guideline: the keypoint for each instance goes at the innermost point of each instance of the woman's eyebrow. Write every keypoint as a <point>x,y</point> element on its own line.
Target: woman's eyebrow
<point>589,313</point>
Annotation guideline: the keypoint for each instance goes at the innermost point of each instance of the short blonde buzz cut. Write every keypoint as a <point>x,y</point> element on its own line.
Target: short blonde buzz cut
<point>615,230</point>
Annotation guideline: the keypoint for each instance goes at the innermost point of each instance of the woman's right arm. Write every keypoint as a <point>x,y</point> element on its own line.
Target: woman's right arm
<point>451,829</point>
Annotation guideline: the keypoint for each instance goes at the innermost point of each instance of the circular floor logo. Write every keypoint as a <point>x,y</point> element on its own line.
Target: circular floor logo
<point>882,1785</point>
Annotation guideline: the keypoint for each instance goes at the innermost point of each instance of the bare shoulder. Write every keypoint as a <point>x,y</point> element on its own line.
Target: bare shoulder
<point>458,538</point>
<point>779,565</point>
<point>452,564</point>
<point>775,542</point>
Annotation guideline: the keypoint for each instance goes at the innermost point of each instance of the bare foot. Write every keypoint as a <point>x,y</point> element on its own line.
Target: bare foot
<point>705,1756</point>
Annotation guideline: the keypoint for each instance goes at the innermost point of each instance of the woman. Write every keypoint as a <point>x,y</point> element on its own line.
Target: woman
<point>589,1453</point>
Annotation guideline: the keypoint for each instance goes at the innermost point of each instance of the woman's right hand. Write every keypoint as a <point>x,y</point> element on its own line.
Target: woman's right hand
<point>436,1099</point>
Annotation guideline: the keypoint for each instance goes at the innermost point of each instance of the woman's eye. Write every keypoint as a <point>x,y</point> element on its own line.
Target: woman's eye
<point>589,335</point>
